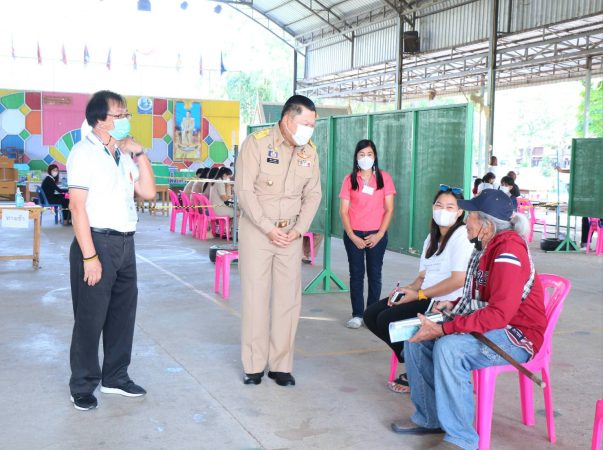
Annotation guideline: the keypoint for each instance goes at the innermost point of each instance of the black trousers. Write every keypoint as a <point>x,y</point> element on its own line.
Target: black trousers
<point>56,199</point>
<point>109,307</point>
<point>378,316</point>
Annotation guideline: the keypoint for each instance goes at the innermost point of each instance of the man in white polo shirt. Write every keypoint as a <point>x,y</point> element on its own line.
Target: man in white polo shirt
<point>105,169</point>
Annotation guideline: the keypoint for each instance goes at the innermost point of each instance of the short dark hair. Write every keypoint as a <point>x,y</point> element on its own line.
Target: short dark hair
<point>489,177</point>
<point>98,106</point>
<point>507,180</point>
<point>223,171</point>
<point>295,103</point>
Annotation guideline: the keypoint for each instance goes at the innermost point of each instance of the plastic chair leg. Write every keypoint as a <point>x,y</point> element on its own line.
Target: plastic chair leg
<point>598,426</point>
<point>217,271</point>
<point>393,365</point>
<point>173,220</point>
<point>226,278</point>
<point>548,406</point>
<point>184,221</point>
<point>227,227</point>
<point>311,237</point>
<point>527,399</point>
<point>485,405</point>
<point>590,235</point>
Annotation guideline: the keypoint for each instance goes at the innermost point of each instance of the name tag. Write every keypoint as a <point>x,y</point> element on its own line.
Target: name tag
<point>368,190</point>
<point>272,160</point>
<point>304,163</point>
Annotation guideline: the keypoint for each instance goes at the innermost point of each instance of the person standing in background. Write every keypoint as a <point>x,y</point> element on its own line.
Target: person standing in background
<point>366,209</point>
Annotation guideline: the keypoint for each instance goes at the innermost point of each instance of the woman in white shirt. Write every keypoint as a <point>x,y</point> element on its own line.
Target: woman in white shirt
<point>487,182</point>
<point>446,253</point>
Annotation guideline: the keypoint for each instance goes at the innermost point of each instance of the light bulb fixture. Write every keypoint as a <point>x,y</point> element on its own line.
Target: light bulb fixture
<point>144,5</point>
<point>184,5</point>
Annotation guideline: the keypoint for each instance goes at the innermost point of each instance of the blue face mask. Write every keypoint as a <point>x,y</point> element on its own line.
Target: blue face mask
<point>121,130</point>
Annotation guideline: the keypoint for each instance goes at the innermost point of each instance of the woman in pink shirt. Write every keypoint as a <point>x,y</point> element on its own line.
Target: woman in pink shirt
<point>367,205</point>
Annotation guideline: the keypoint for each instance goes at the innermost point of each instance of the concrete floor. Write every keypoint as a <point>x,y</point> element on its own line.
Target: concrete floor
<point>186,354</point>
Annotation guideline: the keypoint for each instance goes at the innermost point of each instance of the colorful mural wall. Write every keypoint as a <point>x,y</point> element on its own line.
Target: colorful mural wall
<point>46,125</point>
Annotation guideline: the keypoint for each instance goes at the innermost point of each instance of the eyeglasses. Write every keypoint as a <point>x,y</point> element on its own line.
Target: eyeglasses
<point>454,190</point>
<point>120,116</point>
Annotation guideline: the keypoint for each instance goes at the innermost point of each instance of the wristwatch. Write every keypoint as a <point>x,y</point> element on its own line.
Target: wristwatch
<point>142,152</point>
<point>422,295</point>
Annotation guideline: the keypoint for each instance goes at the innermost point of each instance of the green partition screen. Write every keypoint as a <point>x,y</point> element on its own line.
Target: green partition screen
<point>392,134</point>
<point>586,172</point>
<point>321,141</point>
<point>439,158</point>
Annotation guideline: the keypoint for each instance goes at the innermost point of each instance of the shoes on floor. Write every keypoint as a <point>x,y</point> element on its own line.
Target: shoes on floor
<point>408,427</point>
<point>282,378</point>
<point>354,323</point>
<point>84,402</point>
<point>253,378</point>
<point>129,389</point>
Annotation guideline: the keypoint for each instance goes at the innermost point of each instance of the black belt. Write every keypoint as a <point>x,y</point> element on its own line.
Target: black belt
<point>112,232</point>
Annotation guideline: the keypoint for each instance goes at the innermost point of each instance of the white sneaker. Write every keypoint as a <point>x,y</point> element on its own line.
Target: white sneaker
<point>354,322</point>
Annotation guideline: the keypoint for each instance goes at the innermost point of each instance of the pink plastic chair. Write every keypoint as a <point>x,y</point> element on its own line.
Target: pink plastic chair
<point>525,206</point>
<point>188,216</point>
<point>310,236</point>
<point>393,365</point>
<point>485,379</point>
<point>198,216</point>
<point>176,209</point>
<point>223,260</point>
<point>213,220</point>
<point>598,426</point>
<point>595,228</point>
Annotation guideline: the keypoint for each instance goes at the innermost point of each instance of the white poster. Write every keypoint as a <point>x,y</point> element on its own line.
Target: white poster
<point>15,218</point>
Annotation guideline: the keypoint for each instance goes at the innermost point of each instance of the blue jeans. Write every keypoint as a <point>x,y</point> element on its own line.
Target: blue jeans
<point>374,263</point>
<point>439,373</point>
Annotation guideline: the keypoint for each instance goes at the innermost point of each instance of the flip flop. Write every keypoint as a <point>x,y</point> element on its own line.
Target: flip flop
<point>399,385</point>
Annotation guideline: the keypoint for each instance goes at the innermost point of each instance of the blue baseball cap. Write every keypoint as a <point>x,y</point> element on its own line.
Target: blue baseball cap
<point>490,201</point>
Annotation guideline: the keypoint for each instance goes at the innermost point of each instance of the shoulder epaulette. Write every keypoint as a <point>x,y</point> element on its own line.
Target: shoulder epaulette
<point>312,144</point>
<point>261,133</point>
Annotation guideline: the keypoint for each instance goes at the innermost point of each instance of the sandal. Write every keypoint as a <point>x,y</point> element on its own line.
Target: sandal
<point>399,385</point>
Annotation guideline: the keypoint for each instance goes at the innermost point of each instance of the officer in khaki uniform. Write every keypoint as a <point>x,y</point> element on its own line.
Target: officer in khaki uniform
<point>278,186</point>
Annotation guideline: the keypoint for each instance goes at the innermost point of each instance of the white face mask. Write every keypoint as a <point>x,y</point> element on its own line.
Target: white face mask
<point>54,173</point>
<point>302,135</point>
<point>366,163</point>
<point>505,189</point>
<point>444,218</point>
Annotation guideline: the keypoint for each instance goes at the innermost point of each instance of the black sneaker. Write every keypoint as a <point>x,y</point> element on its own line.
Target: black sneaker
<point>253,378</point>
<point>84,402</point>
<point>129,389</point>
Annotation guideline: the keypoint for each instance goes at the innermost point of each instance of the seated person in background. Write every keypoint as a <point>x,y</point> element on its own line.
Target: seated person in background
<point>218,195</point>
<point>188,188</point>
<point>202,172</point>
<point>502,298</point>
<point>55,194</point>
<point>515,189</point>
<point>211,175</point>
<point>476,184</point>
<point>197,187</point>
<point>487,182</point>
<point>506,185</point>
<point>446,253</point>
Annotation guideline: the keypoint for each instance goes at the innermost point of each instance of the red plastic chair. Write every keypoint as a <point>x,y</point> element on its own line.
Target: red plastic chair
<point>213,220</point>
<point>223,260</point>
<point>176,209</point>
<point>595,227</point>
<point>598,426</point>
<point>188,216</point>
<point>485,379</point>
<point>199,217</point>
<point>525,206</point>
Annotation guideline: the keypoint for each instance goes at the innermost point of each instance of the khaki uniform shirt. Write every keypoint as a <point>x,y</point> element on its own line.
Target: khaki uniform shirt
<point>277,182</point>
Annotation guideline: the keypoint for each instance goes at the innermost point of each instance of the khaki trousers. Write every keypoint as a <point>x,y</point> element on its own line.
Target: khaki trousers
<point>268,333</point>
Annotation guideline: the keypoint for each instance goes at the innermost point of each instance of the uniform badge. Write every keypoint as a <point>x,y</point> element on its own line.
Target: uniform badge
<point>302,154</point>
<point>304,163</point>
<point>272,160</point>
<point>272,154</point>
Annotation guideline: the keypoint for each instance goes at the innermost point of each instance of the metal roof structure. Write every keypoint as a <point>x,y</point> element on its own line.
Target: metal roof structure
<point>354,48</point>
